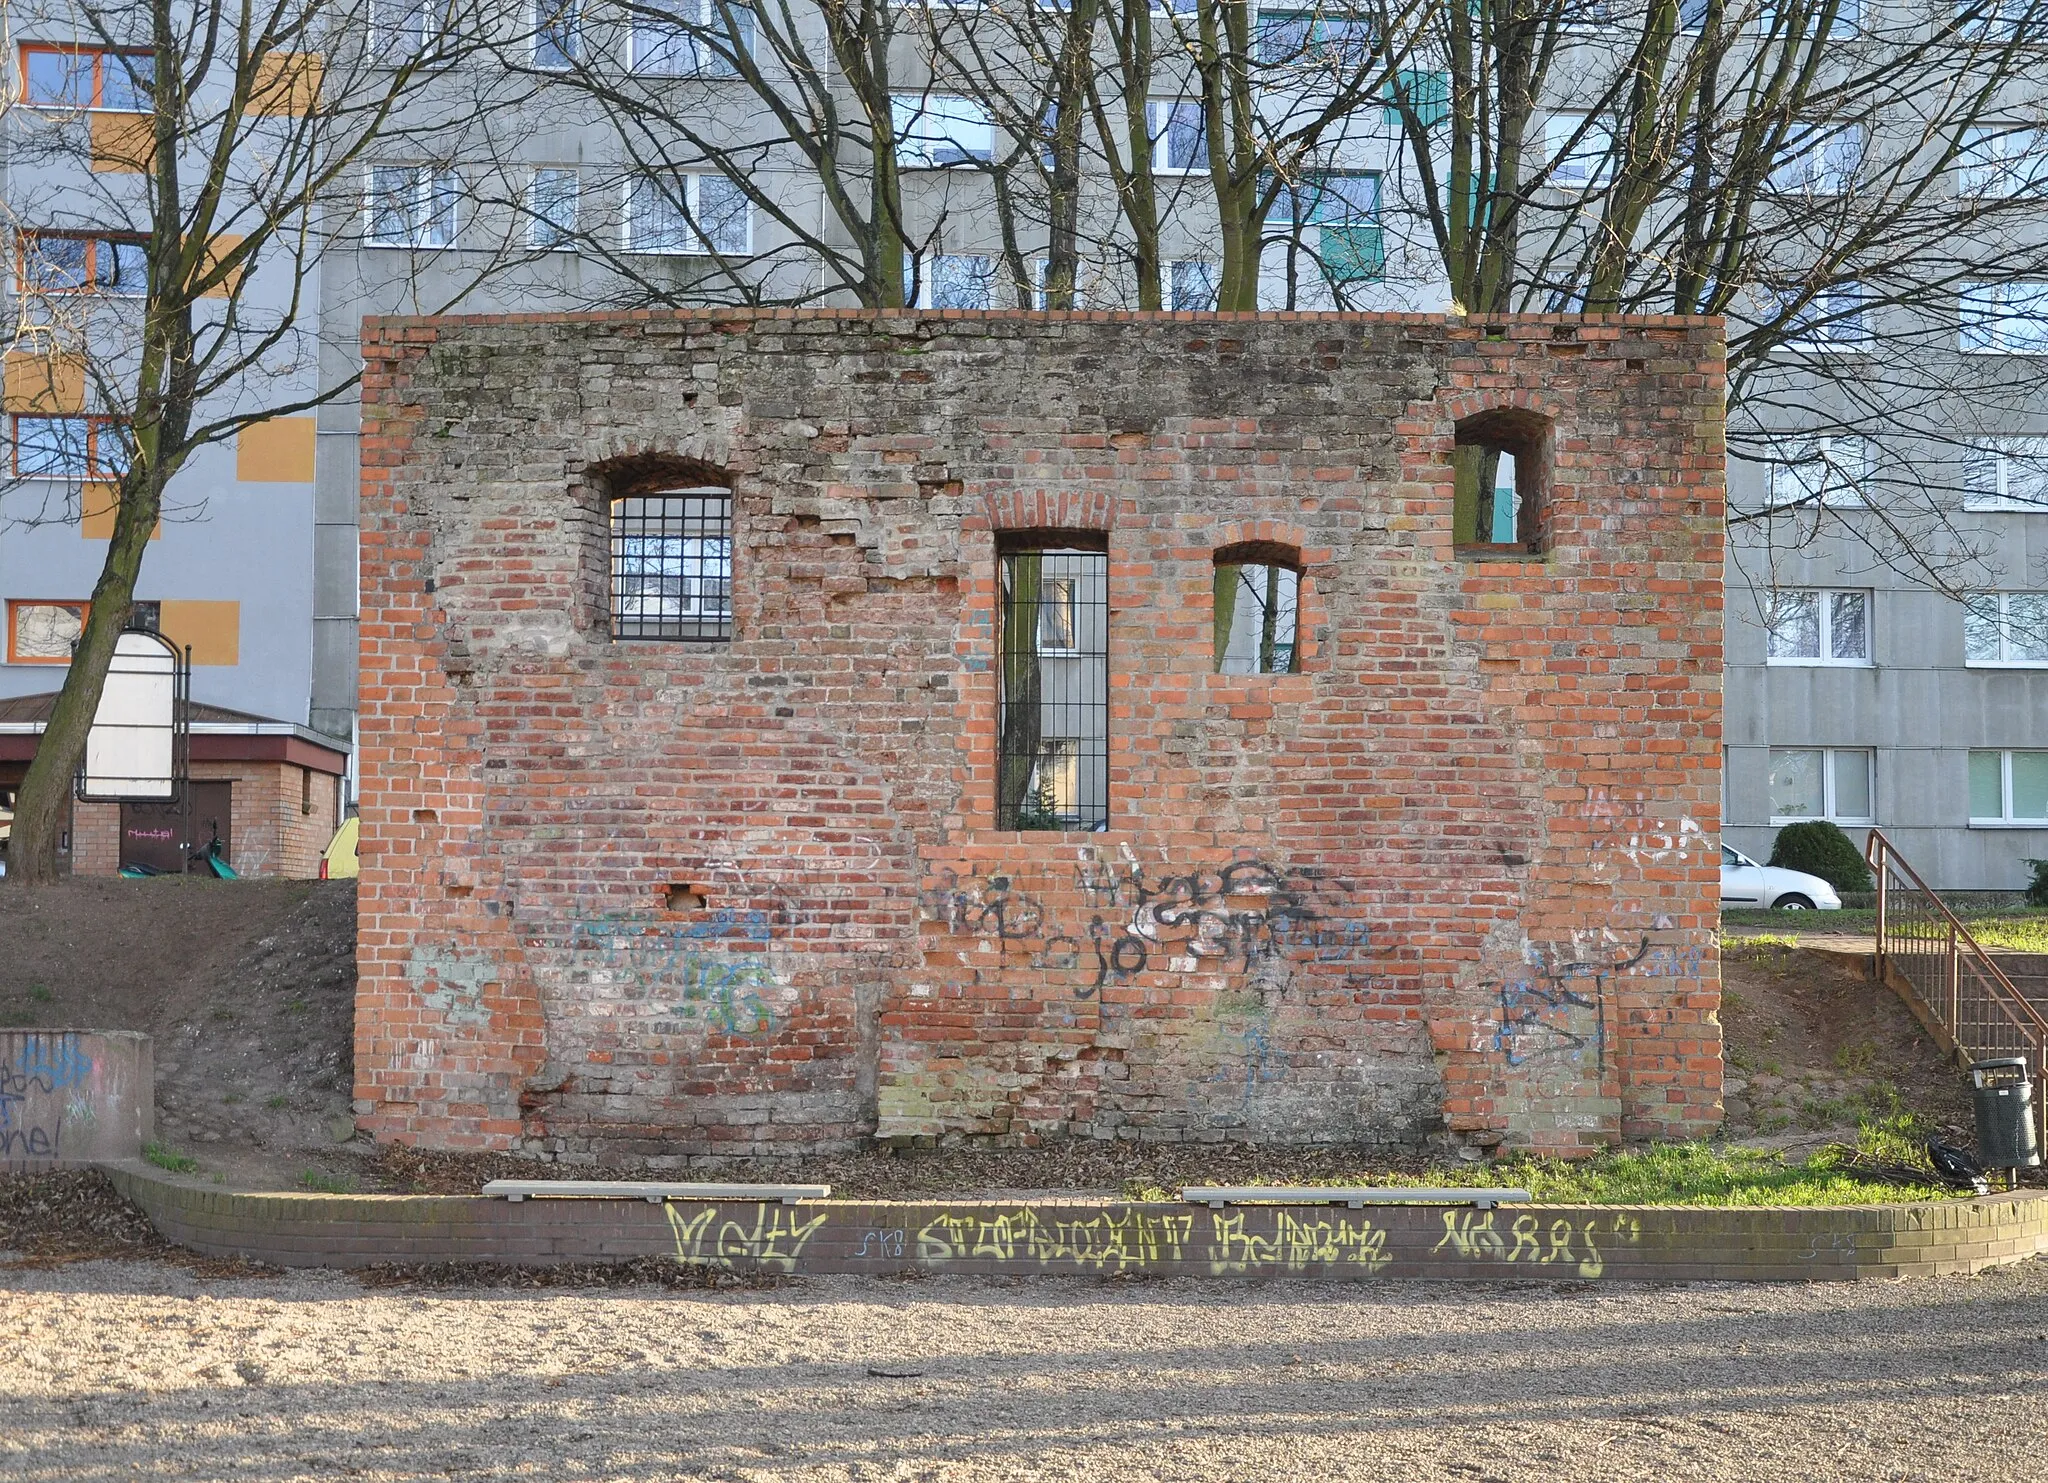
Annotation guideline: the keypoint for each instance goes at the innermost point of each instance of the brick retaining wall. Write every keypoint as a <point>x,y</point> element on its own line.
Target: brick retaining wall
<point>1017,1238</point>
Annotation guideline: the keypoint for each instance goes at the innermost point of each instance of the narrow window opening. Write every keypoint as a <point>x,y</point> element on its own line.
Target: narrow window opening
<point>1258,610</point>
<point>671,570</point>
<point>1501,469</point>
<point>1053,747</point>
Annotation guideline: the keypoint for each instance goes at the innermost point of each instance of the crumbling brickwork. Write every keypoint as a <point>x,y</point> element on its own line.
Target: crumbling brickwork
<point>1456,875</point>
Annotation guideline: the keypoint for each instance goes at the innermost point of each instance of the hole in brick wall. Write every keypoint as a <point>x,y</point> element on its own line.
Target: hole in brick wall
<point>684,898</point>
<point>1501,481</point>
<point>425,816</point>
<point>1257,591</point>
<point>1638,365</point>
<point>842,538</point>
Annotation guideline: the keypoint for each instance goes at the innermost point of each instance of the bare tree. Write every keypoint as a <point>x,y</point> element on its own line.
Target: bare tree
<point>174,170</point>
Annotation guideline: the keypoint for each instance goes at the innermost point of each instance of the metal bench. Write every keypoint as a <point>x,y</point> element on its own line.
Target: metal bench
<point>653,1193</point>
<point>1216,1197</point>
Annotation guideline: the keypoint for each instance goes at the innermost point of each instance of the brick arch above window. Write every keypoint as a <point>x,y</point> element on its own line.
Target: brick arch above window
<point>1050,509</point>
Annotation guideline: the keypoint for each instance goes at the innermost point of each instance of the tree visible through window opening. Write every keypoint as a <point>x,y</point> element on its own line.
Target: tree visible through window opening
<point>1258,604</point>
<point>1501,475</point>
<point>1052,759</point>
<point>671,570</point>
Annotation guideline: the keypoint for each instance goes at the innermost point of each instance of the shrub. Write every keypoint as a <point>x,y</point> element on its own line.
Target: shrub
<point>1820,848</point>
<point>2037,888</point>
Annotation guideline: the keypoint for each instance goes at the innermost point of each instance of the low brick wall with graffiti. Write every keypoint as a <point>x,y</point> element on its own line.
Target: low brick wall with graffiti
<point>74,1096</point>
<point>1578,1243</point>
<point>1451,872</point>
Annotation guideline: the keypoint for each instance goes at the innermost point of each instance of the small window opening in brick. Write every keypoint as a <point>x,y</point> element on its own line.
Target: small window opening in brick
<point>1258,609</point>
<point>684,897</point>
<point>671,569</point>
<point>1501,468</point>
<point>1052,751</point>
<point>424,816</point>
<point>305,790</point>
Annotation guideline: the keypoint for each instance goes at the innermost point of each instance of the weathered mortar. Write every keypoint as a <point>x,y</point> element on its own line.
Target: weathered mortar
<point>1457,872</point>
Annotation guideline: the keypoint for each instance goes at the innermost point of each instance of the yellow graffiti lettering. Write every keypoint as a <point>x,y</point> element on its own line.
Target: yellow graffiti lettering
<point>1525,1240</point>
<point>1295,1245</point>
<point>1560,1242</point>
<point>1471,1236</point>
<point>776,1240</point>
<point>689,1234</point>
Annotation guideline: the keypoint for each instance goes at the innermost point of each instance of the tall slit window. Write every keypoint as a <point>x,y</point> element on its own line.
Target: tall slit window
<point>1053,750</point>
<point>1258,607</point>
<point>672,566</point>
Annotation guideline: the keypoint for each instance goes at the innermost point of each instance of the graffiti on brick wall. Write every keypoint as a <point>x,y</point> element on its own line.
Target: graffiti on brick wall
<point>1245,1241</point>
<point>713,975</point>
<point>1622,831</point>
<point>35,1078</point>
<point>1241,915</point>
<point>775,1237</point>
<point>452,980</point>
<point>1556,1010</point>
<point>1545,1244</point>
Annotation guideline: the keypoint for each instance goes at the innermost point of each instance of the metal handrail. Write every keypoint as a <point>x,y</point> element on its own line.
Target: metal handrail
<point>1969,1021</point>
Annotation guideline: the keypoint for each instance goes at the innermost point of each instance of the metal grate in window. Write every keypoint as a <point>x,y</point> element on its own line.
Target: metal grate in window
<point>672,566</point>
<point>1053,750</point>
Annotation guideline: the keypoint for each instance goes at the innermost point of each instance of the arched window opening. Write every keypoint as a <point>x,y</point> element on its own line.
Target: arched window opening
<point>1258,610</point>
<point>671,565</point>
<point>1052,760</point>
<point>1501,468</point>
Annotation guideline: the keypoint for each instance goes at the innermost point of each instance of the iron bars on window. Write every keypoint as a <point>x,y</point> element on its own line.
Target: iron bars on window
<point>1052,759</point>
<point>672,566</point>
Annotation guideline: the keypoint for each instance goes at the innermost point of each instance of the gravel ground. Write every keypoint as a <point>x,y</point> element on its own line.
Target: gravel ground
<point>124,1369</point>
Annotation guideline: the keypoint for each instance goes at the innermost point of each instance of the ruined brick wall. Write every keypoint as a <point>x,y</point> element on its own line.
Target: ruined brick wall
<point>1455,874</point>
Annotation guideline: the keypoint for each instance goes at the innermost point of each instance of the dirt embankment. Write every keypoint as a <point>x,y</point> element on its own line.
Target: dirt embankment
<point>248,988</point>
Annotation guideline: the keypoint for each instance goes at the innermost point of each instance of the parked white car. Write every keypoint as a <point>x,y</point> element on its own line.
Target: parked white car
<point>1744,883</point>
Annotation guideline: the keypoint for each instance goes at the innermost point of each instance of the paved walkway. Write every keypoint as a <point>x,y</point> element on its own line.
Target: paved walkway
<point>118,1371</point>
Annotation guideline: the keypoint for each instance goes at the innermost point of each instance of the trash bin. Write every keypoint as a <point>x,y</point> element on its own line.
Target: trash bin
<point>2004,1095</point>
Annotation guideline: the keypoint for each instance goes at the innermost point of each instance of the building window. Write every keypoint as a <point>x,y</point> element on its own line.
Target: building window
<point>1993,20</point>
<point>1832,318</point>
<point>1427,95</point>
<point>1819,628</point>
<point>403,30</point>
<point>1826,471</point>
<point>1818,160</point>
<point>69,448</point>
<point>1312,37</point>
<point>1343,210</point>
<point>51,263</point>
<point>672,566</point>
<point>1581,150</point>
<point>2006,628</point>
<point>951,280</point>
<point>1052,761</point>
<point>692,38</point>
<point>1999,160</point>
<point>1180,136</point>
<point>1775,17</point>
<point>2008,475</point>
<point>688,215</point>
<point>936,131</point>
<point>87,77</point>
<point>2005,318</point>
<point>553,205</point>
<point>148,616</point>
<point>1821,783</point>
<point>1500,471</point>
<point>412,206</point>
<point>557,34</point>
<point>43,632</point>
<point>1192,283</point>
<point>2009,788</point>
<point>1258,609</point>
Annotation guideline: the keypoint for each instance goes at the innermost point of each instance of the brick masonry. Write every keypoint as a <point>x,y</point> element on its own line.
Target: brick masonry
<point>284,815</point>
<point>1455,876</point>
<point>1576,1243</point>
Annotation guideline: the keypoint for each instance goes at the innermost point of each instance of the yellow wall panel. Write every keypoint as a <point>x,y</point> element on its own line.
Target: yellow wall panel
<point>52,384</point>
<point>122,143</point>
<point>279,451</point>
<point>218,248</point>
<point>96,506</point>
<point>287,83</point>
<point>213,629</point>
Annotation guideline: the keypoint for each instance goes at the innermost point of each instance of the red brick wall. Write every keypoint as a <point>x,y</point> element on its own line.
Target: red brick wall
<point>1456,875</point>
